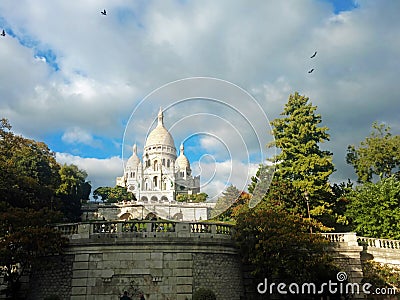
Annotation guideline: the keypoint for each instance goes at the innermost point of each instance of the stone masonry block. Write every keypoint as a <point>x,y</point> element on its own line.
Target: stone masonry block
<point>81,265</point>
<point>184,264</point>
<point>184,256</point>
<point>156,256</point>
<point>78,290</point>
<point>184,289</point>
<point>156,264</point>
<point>96,257</point>
<point>117,256</point>
<point>184,280</point>
<point>79,274</point>
<point>141,256</point>
<point>183,272</point>
<point>169,256</point>
<point>76,282</point>
<point>81,257</point>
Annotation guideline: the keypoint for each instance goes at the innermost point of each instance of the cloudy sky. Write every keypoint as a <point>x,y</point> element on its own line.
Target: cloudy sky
<point>91,85</point>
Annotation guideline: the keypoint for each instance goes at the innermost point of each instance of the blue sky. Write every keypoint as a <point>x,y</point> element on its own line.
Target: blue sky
<point>72,77</point>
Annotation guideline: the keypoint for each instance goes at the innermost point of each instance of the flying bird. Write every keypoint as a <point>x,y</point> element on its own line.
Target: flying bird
<point>3,33</point>
<point>104,13</point>
<point>309,72</point>
<point>315,53</point>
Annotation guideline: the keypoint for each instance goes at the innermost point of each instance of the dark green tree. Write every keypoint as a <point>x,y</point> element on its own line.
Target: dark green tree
<point>298,135</point>
<point>73,189</point>
<point>113,194</point>
<point>278,246</point>
<point>29,180</point>
<point>374,209</point>
<point>378,154</point>
<point>28,170</point>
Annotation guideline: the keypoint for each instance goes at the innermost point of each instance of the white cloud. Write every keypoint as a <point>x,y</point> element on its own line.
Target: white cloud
<point>101,172</point>
<point>107,64</point>
<point>77,135</point>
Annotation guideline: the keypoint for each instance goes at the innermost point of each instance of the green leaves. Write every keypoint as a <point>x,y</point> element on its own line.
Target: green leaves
<point>278,244</point>
<point>374,209</point>
<point>378,154</point>
<point>298,135</point>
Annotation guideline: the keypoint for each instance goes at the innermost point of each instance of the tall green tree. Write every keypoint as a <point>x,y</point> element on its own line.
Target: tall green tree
<point>378,154</point>
<point>72,190</point>
<point>374,209</point>
<point>301,161</point>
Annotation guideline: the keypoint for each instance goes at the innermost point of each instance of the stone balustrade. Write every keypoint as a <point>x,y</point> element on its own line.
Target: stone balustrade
<point>142,228</point>
<point>75,230</point>
<point>378,243</point>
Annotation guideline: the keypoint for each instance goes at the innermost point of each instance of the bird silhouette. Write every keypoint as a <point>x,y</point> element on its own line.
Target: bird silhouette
<point>309,72</point>
<point>104,13</point>
<point>3,33</point>
<point>315,53</point>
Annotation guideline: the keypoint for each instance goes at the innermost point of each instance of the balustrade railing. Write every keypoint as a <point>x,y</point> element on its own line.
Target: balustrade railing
<point>200,228</point>
<point>378,243</point>
<point>68,229</point>
<point>143,227</point>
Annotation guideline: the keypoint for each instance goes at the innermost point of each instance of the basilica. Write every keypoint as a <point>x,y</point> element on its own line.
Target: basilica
<point>160,175</point>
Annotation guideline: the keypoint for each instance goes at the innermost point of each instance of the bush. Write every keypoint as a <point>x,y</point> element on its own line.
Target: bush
<point>204,294</point>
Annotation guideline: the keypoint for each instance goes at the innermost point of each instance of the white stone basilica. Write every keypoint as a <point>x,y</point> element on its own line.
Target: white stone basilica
<point>160,176</point>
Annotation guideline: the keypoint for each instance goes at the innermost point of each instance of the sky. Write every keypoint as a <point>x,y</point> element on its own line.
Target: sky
<point>90,85</point>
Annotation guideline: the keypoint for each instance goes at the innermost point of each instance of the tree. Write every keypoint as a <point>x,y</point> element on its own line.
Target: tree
<point>28,170</point>
<point>378,154</point>
<point>25,236</point>
<point>72,190</point>
<point>30,181</point>
<point>200,197</point>
<point>227,204</point>
<point>301,161</point>
<point>374,209</point>
<point>113,194</point>
<point>279,246</point>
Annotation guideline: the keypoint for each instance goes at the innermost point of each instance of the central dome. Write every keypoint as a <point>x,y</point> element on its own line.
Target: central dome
<point>160,135</point>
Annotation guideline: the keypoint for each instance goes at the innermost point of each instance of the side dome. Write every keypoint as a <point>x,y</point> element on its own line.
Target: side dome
<point>134,160</point>
<point>160,135</point>
<point>182,160</point>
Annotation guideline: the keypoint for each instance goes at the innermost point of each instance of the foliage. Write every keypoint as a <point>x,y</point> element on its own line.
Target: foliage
<point>72,190</point>
<point>112,194</point>
<point>26,236</point>
<point>301,161</point>
<point>298,135</point>
<point>35,191</point>
<point>28,170</point>
<point>378,154</point>
<point>382,276</point>
<point>204,294</point>
<point>374,209</point>
<point>197,198</point>
<point>278,245</point>
<point>222,208</point>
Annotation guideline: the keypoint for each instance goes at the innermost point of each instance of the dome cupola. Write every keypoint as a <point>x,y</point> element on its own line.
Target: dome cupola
<point>159,136</point>
<point>182,160</point>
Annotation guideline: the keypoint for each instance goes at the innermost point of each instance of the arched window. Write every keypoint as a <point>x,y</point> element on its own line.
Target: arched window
<point>155,180</point>
<point>168,163</point>
<point>163,161</point>
<point>155,165</point>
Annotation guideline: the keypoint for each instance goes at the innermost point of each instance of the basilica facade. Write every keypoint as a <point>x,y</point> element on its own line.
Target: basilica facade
<point>160,175</point>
